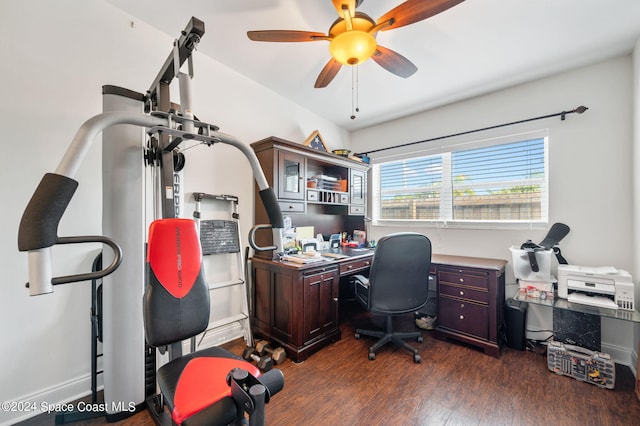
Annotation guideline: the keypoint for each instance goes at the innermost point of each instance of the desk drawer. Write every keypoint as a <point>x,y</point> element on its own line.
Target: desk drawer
<point>354,266</point>
<point>356,210</point>
<point>464,317</point>
<point>464,293</point>
<point>291,207</point>
<point>464,277</point>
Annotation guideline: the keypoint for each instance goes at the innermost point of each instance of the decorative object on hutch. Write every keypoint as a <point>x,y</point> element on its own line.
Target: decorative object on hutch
<point>315,141</point>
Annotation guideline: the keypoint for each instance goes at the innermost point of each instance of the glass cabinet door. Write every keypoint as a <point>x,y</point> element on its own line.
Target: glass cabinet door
<point>357,187</point>
<point>290,176</point>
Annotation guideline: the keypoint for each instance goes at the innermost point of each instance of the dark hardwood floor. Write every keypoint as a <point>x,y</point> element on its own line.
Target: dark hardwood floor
<point>454,385</point>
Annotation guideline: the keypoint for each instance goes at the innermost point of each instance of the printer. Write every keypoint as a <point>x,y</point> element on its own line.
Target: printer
<point>604,287</point>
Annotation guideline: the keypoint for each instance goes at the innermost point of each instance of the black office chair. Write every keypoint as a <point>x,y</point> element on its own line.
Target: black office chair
<point>398,284</point>
<point>209,387</point>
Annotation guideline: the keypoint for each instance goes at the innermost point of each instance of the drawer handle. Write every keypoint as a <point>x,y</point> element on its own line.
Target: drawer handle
<point>461,293</point>
<point>461,317</point>
<point>350,267</point>
<point>462,305</point>
<point>461,280</point>
<point>335,299</point>
<point>366,263</point>
<point>291,207</point>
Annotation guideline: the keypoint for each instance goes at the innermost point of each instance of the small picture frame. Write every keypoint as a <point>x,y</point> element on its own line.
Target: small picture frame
<point>315,141</point>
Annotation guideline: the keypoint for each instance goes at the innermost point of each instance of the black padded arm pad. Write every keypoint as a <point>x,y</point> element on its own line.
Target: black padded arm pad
<point>273,380</point>
<point>270,202</point>
<point>39,224</point>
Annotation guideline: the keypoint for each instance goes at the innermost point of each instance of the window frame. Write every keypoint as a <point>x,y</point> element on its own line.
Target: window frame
<point>460,144</point>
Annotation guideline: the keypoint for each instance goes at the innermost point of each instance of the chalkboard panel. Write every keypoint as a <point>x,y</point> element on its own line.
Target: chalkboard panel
<point>219,236</point>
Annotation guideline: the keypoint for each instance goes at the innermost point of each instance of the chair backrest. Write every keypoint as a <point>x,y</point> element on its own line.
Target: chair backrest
<point>176,296</point>
<point>399,276</point>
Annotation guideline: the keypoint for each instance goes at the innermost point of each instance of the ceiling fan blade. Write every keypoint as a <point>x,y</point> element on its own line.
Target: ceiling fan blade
<point>285,35</point>
<point>328,73</point>
<point>412,11</point>
<point>394,62</point>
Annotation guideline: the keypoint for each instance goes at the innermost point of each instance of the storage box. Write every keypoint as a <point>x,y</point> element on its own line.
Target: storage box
<point>546,286</point>
<point>542,289</point>
<point>522,267</point>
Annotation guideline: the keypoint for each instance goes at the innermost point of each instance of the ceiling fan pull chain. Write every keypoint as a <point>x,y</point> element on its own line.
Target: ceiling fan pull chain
<point>354,92</point>
<point>357,88</point>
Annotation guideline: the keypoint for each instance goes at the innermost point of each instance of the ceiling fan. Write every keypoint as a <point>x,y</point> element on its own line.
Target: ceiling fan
<point>352,36</point>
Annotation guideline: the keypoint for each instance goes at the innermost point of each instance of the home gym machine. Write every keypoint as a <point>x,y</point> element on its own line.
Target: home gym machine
<point>141,181</point>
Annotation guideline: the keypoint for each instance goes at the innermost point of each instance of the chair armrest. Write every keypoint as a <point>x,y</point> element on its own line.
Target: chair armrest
<point>361,280</point>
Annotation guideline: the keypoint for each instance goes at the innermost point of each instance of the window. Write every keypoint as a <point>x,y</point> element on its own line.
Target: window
<point>486,182</point>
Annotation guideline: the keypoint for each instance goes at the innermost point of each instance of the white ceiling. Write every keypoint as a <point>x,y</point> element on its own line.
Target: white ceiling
<point>474,47</point>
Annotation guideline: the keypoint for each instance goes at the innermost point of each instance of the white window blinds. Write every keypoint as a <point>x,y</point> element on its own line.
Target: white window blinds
<point>495,182</point>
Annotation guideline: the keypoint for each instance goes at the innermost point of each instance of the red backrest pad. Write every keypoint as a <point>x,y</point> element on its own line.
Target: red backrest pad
<point>174,254</point>
<point>203,382</point>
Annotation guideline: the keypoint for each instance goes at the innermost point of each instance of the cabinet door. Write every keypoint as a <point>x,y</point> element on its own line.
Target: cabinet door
<point>357,186</point>
<point>291,174</point>
<point>320,303</point>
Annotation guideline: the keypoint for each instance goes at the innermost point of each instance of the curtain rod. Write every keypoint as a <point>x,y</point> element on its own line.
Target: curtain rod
<point>578,110</point>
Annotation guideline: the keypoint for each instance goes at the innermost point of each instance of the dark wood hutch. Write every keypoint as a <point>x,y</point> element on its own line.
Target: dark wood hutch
<point>314,188</point>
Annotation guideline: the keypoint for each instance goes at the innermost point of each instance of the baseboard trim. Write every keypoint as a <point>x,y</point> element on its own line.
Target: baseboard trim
<point>621,355</point>
<point>634,363</point>
<point>62,393</point>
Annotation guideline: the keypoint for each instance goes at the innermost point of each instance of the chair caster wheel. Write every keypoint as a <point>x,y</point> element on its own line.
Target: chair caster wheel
<point>417,359</point>
<point>420,339</point>
<point>372,356</point>
<point>357,336</point>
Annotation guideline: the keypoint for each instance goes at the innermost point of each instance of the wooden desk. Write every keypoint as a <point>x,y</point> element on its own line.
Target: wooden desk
<point>296,306</point>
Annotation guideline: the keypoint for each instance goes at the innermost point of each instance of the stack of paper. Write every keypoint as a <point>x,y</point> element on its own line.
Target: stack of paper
<point>301,258</point>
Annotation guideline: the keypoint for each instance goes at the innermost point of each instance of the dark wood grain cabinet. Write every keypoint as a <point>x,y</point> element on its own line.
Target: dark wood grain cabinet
<point>470,300</point>
<point>297,308</point>
<point>320,303</point>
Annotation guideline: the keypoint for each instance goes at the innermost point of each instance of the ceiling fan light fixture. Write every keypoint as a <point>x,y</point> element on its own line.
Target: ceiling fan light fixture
<point>352,36</point>
<point>352,47</point>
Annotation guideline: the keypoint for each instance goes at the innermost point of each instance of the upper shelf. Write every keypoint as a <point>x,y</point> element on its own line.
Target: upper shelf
<point>328,157</point>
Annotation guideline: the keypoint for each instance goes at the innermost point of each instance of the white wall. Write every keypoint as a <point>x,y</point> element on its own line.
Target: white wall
<point>636,177</point>
<point>590,169</point>
<point>56,57</point>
